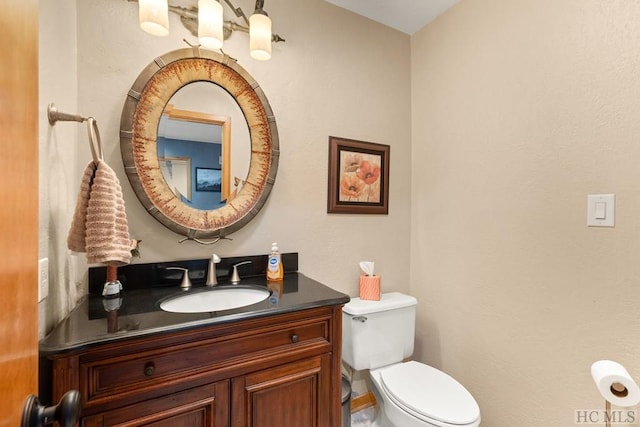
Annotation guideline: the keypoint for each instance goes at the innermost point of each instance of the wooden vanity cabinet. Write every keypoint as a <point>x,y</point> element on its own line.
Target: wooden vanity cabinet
<point>277,371</point>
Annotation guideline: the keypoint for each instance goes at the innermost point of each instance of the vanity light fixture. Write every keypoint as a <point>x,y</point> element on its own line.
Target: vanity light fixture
<point>153,16</point>
<point>206,22</point>
<point>260,33</point>
<point>210,23</point>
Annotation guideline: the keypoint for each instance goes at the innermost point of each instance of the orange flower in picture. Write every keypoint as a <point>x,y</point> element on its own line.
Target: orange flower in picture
<point>368,173</point>
<point>351,187</point>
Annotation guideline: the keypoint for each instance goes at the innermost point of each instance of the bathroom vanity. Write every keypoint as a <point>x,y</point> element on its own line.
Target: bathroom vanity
<point>274,363</point>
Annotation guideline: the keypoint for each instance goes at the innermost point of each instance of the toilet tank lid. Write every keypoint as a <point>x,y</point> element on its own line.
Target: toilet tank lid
<point>388,301</point>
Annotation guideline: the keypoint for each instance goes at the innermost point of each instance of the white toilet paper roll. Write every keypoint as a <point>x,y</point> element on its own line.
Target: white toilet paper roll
<point>614,383</point>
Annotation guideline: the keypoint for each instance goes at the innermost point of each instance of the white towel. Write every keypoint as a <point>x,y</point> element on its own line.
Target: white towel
<point>99,226</point>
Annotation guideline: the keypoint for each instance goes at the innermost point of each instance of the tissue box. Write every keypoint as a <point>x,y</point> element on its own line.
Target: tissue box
<point>370,287</point>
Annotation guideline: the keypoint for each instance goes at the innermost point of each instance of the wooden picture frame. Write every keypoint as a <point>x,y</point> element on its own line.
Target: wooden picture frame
<point>358,177</point>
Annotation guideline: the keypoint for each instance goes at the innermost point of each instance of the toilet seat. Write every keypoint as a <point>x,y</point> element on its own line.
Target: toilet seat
<point>429,394</point>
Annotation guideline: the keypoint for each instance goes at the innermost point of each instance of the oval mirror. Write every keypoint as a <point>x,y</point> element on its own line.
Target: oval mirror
<point>199,143</point>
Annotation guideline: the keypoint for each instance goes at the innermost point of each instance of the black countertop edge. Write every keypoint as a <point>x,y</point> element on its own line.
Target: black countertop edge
<point>51,350</point>
<point>140,315</point>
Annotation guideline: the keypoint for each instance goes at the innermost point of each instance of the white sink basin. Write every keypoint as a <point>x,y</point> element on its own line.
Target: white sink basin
<point>215,299</point>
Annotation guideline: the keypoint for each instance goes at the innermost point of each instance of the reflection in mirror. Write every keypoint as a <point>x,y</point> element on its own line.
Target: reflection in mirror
<point>198,124</point>
<point>177,173</point>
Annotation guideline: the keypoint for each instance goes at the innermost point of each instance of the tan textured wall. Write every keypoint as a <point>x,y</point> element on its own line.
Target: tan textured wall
<point>59,159</point>
<point>337,74</point>
<point>520,108</point>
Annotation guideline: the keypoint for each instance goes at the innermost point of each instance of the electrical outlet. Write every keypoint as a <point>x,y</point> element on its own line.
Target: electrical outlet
<point>43,278</point>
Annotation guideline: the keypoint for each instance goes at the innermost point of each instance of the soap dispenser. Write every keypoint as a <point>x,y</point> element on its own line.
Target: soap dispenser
<point>212,279</point>
<point>275,270</point>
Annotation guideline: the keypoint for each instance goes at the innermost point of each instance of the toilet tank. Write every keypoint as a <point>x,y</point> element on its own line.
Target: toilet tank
<point>378,333</point>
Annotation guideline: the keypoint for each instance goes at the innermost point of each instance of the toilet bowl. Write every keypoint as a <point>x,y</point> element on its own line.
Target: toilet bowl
<point>413,394</point>
<point>379,335</point>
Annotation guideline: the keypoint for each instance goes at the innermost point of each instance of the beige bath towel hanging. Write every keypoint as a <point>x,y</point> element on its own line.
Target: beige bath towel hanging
<point>99,226</point>
<point>76,238</point>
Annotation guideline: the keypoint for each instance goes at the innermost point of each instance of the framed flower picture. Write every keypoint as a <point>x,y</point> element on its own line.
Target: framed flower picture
<point>358,177</point>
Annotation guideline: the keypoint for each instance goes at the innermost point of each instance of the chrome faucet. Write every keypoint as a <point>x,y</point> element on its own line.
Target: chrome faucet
<point>186,282</point>
<point>235,277</point>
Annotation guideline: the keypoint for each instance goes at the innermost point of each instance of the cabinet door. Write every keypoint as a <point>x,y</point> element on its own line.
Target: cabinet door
<point>296,394</point>
<point>206,406</point>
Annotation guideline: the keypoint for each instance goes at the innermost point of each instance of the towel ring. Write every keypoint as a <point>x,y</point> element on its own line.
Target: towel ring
<point>95,144</point>
<point>94,140</point>
<point>54,116</point>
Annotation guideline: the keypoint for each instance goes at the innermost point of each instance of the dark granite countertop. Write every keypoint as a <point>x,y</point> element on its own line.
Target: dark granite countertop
<point>96,321</point>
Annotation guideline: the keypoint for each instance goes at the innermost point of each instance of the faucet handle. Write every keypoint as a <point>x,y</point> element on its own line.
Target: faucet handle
<point>186,282</point>
<point>235,277</point>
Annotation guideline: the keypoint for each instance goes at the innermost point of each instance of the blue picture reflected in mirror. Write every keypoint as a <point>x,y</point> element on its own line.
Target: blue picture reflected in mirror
<point>208,180</point>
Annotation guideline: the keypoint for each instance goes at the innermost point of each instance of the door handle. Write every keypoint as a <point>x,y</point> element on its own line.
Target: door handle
<point>66,413</point>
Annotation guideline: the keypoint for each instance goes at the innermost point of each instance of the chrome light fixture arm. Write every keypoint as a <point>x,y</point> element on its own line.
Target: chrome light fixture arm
<point>189,19</point>
<point>238,11</point>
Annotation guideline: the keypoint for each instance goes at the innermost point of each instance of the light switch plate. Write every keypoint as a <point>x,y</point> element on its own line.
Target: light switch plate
<point>601,210</point>
<point>43,278</point>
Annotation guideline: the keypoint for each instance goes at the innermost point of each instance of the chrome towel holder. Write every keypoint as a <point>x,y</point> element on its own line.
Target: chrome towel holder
<point>54,116</point>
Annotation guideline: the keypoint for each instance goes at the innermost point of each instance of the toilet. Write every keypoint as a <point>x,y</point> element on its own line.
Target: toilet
<point>378,336</point>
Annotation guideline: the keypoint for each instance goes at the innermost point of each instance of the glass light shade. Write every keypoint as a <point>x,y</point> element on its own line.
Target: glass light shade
<point>210,24</point>
<point>153,16</point>
<point>260,36</point>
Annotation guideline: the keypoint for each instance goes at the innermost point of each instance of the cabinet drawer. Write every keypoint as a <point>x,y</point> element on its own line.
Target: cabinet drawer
<point>201,406</point>
<point>118,377</point>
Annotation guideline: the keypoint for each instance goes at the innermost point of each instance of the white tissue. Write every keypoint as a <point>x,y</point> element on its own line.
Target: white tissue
<point>367,267</point>
<point>608,376</point>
